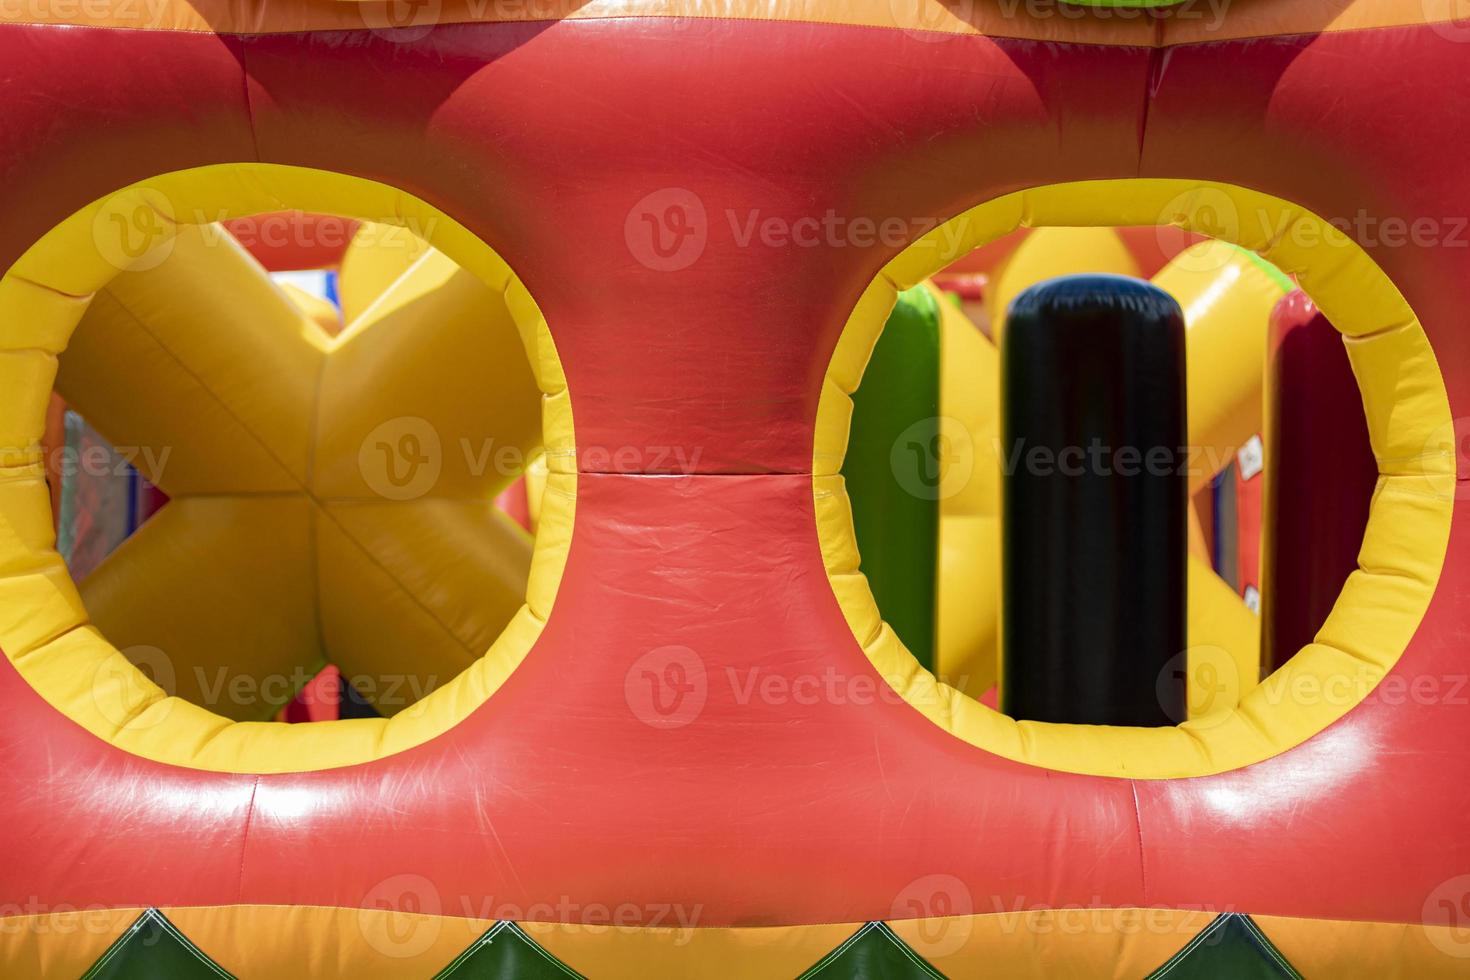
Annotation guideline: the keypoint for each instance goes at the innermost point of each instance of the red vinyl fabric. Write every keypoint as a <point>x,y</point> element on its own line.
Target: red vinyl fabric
<point>1323,476</point>
<point>542,138</point>
<point>284,241</point>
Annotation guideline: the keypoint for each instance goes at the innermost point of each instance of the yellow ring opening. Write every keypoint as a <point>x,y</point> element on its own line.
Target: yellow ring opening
<point>1403,548</point>
<point>43,625</point>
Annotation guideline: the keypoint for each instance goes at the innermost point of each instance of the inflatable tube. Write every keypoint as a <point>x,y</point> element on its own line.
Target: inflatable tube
<point>1093,593</point>
<point>895,465</point>
<point>968,594</point>
<point>1320,478</point>
<point>922,455</point>
<point>1228,294</point>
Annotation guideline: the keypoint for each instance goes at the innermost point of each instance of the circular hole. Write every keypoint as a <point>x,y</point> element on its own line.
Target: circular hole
<point>1367,600</point>
<point>925,464</point>
<point>285,458</point>
<point>347,498</point>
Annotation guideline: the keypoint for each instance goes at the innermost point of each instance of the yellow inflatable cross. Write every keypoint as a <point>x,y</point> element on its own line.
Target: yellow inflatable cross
<point>331,497</point>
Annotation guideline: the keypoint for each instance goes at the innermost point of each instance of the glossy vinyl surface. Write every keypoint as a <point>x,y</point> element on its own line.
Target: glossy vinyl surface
<point>1094,540</point>
<point>1322,476</point>
<point>548,140</point>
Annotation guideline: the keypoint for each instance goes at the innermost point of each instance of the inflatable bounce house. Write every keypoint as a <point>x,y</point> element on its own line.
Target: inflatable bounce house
<point>684,489</point>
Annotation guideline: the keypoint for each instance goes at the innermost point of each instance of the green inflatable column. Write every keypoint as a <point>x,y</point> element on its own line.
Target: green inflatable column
<point>892,470</point>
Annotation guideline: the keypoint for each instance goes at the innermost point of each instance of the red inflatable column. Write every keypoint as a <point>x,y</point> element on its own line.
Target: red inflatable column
<point>1320,471</point>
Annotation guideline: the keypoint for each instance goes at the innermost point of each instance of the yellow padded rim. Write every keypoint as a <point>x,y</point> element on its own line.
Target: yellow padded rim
<point>43,626</point>
<point>1403,548</point>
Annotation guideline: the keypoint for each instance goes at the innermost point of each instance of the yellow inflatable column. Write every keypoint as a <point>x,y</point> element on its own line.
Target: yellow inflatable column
<point>968,595</point>
<point>1227,295</point>
<point>1050,252</point>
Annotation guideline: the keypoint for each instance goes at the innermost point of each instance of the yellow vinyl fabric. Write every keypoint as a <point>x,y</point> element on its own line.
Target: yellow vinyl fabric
<point>1372,950</point>
<point>1043,943</point>
<point>284,397</point>
<point>373,260</point>
<point>755,953</point>
<point>1403,549</point>
<point>536,474</point>
<point>1227,295</point>
<point>1223,660</point>
<point>318,485</point>
<point>59,942</point>
<point>1198,546</point>
<point>318,310</point>
<point>1050,252</point>
<point>269,942</point>
<point>967,597</point>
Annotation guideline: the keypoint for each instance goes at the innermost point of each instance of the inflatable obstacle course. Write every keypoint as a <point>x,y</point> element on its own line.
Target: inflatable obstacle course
<point>691,744</point>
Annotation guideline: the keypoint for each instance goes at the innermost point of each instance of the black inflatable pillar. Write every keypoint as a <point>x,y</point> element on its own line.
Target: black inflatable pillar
<point>1095,491</point>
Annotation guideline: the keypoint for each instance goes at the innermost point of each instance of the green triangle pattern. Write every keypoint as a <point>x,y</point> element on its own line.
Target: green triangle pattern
<point>505,952</point>
<point>152,948</point>
<point>1232,947</point>
<point>874,952</point>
